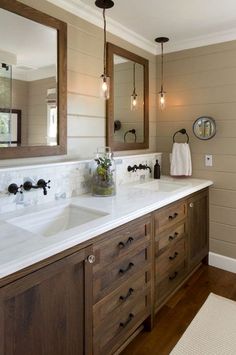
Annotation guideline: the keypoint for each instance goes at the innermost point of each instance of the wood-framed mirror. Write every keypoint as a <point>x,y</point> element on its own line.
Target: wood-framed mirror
<point>33,82</point>
<point>127,108</point>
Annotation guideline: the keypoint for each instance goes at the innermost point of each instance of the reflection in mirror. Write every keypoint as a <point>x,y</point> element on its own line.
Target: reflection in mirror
<point>127,108</point>
<point>204,128</point>
<point>28,82</point>
<point>128,100</point>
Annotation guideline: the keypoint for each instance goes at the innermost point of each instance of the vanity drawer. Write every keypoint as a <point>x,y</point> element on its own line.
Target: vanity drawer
<point>117,300</point>
<point>169,216</point>
<point>115,274</point>
<point>121,241</point>
<point>170,237</point>
<point>111,334</point>
<point>170,281</point>
<point>170,259</point>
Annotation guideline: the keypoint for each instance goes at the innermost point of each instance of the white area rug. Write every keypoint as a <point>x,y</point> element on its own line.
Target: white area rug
<point>212,331</point>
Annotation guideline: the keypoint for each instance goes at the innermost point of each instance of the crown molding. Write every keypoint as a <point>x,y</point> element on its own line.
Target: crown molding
<point>93,16</point>
<point>201,41</point>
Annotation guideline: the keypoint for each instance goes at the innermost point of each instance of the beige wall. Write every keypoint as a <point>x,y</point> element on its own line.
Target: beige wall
<point>202,81</point>
<point>86,110</point>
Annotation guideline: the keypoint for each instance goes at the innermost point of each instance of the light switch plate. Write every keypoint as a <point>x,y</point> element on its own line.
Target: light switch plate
<point>208,160</point>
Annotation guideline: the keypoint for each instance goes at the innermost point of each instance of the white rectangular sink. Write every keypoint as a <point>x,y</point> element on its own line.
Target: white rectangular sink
<point>160,186</point>
<point>56,220</point>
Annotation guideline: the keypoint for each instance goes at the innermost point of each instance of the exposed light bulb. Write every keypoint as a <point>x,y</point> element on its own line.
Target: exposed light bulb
<point>134,102</point>
<point>105,87</point>
<point>162,100</point>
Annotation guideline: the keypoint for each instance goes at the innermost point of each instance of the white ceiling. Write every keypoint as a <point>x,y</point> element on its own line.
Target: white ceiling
<point>188,23</point>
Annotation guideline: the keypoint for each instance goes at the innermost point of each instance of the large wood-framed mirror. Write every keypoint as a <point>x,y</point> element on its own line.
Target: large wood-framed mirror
<point>33,82</point>
<point>127,108</point>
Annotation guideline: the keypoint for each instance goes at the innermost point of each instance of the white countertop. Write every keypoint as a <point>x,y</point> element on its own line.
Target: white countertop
<point>20,248</point>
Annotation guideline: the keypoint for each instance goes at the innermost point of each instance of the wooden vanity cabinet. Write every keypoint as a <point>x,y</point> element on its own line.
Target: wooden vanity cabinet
<point>73,307</point>
<point>49,311</point>
<point>198,228</point>
<point>170,234</point>
<point>121,284</point>
<point>181,242</point>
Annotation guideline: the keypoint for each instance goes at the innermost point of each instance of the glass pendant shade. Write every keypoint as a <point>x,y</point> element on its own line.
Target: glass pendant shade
<point>162,93</point>
<point>105,79</point>
<point>105,86</point>
<point>134,102</point>
<point>162,100</point>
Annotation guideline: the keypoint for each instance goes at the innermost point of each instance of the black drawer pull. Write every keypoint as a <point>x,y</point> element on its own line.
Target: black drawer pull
<point>122,245</point>
<point>174,256</point>
<point>129,293</point>
<point>172,237</point>
<point>173,216</point>
<point>123,271</point>
<point>124,324</point>
<point>172,277</point>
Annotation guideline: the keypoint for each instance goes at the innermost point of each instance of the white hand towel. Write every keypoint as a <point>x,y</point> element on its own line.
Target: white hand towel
<point>181,163</point>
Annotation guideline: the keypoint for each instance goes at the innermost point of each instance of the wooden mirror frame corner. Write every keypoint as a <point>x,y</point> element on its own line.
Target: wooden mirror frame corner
<point>30,13</point>
<point>112,49</point>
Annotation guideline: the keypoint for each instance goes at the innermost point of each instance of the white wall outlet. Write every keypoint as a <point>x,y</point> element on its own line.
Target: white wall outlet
<point>208,160</point>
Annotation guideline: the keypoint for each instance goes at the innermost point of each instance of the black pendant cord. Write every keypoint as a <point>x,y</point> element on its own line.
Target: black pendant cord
<point>162,69</point>
<point>134,81</point>
<point>105,43</point>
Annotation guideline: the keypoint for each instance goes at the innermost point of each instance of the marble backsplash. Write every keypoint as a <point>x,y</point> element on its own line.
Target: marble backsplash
<point>68,179</point>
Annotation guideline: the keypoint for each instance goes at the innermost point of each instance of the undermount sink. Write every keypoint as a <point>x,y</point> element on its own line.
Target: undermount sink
<point>160,186</point>
<point>55,220</point>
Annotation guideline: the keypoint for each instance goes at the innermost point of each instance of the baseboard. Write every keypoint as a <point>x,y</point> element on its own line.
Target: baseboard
<point>222,262</point>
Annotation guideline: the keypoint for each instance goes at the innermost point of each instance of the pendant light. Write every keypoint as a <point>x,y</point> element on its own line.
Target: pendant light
<point>134,95</point>
<point>105,79</point>
<point>162,93</point>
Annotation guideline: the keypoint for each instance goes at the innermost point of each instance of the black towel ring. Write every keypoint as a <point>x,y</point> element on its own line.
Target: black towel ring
<point>183,131</point>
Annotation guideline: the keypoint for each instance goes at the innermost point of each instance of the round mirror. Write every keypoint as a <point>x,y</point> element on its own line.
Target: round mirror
<point>204,127</point>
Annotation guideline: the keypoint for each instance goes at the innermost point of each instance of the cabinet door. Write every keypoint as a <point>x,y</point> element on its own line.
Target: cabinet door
<point>198,220</point>
<point>48,311</point>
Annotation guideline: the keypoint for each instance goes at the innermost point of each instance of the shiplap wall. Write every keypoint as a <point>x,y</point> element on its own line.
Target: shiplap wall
<point>86,110</point>
<point>202,81</point>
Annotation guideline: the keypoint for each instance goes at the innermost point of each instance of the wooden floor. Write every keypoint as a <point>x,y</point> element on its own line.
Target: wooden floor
<point>173,319</point>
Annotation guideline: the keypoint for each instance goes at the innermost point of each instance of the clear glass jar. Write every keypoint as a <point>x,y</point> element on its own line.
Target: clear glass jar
<point>104,173</point>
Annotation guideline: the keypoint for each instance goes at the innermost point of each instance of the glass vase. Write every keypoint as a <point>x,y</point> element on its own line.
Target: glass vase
<point>104,173</point>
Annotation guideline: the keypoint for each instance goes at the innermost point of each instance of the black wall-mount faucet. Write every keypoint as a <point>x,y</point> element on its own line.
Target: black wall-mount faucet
<point>140,167</point>
<point>41,184</point>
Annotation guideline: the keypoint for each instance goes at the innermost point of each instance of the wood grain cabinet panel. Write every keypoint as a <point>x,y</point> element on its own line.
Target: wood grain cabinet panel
<point>181,242</point>
<point>172,257</point>
<point>117,300</point>
<point>121,284</point>
<point>49,312</point>
<point>120,242</point>
<point>170,281</point>
<point>170,237</point>
<point>168,216</point>
<point>198,228</point>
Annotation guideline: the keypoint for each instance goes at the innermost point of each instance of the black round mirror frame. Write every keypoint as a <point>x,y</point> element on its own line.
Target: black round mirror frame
<point>206,119</point>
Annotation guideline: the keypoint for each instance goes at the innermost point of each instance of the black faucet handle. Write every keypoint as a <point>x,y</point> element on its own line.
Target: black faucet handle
<point>14,189</point>
<point>44,185</point>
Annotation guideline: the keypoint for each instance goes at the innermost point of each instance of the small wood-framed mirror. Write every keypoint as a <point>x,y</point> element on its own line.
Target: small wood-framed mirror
<point>33,82</point>
<point>127,108</point>
<point>204,128</point>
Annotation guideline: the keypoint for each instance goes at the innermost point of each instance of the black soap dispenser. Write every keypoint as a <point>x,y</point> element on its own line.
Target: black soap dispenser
<point>157,170</point>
